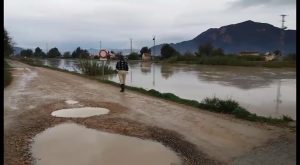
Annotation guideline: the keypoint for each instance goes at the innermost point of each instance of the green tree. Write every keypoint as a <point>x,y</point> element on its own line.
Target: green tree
<point>218,52</point>
<point>167,51</point>
<point>8,45</point>
<point>67,55</point>
<point>84,54</point>
<point>145,50</point>
<point>76,53</point>
<point>53,53</point>
<point>39,53</point>
<point>205,50</point>
<point>277,52</point>
<point>133,56</point>
<point>80,53</point>
<point>26,53</point>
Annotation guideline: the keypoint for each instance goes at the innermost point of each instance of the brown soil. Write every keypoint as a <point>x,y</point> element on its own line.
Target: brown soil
<point>199,136</point>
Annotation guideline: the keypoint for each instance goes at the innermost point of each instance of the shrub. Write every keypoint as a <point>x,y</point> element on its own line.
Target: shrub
<point>92,67</point>
<point>251,58</point>
<point>228,106</point>
<point>240,112</point>
<point>7,74</point>
<point>287,118</point>
<point>172,59</point>
<point>133,56</point>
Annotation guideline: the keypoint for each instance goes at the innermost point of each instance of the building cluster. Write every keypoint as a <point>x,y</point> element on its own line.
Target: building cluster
<point>269,56</point>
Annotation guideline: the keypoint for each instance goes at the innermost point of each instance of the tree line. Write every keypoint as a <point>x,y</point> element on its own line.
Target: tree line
<point>54,53</point>
<point>168,51</point>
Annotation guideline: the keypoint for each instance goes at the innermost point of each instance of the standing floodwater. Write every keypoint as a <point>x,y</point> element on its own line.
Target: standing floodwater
<point>73,144</point>
<point>264,91</point>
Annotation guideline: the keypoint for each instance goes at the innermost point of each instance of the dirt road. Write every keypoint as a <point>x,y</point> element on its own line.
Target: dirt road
<point>39,91</point>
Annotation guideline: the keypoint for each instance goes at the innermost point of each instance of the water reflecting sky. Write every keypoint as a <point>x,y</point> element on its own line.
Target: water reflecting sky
<point>264,91</point>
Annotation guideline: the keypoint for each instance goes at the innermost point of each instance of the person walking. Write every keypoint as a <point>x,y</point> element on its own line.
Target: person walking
<point>122,69</point>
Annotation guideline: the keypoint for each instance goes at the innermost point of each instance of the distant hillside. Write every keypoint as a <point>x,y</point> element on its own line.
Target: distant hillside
<point>244,36</point>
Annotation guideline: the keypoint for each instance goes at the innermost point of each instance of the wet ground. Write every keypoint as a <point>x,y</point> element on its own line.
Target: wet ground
<point>197,136</point>
<point>19,140</point>
<point>73,144</point>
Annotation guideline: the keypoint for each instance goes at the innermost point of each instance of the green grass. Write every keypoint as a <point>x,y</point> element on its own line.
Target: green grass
<point>232,107</point>
<point>31,61</point>
<point>231,60</point>
<point>211,104</point>
<point>7,74</point>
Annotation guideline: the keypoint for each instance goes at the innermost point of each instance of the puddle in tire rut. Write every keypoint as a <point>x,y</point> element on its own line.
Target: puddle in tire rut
<point>80,112</point>
<point>74,144</point>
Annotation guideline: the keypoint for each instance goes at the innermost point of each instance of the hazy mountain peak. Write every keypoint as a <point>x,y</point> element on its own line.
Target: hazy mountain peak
<point>243,36</point>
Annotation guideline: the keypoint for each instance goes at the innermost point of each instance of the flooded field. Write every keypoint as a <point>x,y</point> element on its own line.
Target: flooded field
<point>75,144</point>
<point>264,91</point>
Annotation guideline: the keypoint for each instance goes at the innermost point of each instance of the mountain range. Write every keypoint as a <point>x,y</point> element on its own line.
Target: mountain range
<point>244,36</point>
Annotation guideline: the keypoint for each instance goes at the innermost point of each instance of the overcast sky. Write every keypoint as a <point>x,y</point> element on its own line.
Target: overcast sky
<point>67,24</point>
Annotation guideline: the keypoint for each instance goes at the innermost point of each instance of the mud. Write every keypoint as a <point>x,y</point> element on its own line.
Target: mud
<point>18,142</point>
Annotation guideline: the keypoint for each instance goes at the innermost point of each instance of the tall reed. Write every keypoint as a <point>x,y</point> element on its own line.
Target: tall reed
<point>92,67</point>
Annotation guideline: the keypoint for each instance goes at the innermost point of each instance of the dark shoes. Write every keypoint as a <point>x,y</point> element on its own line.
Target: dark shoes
<point>122,87</point>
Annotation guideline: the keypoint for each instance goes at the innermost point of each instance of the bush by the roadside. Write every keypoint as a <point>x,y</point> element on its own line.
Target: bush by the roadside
<point>232,107</point>
<point>224,106</point>
<point>133,56</point>
<point>7,74</point>
<point>92,67</point>
<point>251,58</point>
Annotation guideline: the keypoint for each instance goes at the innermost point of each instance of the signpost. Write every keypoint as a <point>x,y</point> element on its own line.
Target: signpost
<point>103,57</point>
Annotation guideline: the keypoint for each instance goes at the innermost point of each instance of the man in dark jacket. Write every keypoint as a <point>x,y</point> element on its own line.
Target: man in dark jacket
<point>122,68</point>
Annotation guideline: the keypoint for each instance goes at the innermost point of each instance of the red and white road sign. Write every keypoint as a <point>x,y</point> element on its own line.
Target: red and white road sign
<point>103,53</point>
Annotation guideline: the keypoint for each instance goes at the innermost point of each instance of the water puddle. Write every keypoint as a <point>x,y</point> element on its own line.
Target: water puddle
<point>71,102</point>
<point>73,144</point>
<point>80,112</point>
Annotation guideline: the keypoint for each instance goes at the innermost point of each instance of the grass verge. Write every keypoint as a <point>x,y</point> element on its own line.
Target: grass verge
<point>230,60</point>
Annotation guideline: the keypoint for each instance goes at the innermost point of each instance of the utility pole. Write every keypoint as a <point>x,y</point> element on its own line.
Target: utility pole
<point>282,34</point>
<point>153,62</point>
<point>153,44</point>
<point>130,45</point>
<point>100,45</point>
<point>278,101</point>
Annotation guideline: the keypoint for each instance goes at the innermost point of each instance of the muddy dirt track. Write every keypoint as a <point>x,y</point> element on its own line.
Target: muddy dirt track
<point>198,136</point>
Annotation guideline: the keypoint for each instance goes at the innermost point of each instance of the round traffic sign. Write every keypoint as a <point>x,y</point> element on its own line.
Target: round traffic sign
<point>103,53</point>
